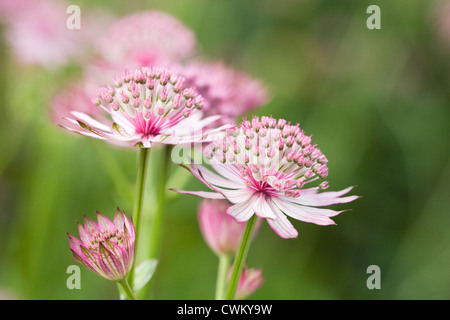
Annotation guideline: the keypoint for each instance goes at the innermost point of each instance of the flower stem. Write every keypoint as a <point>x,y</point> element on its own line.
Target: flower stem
<point>153,223</point>
<point>241,255</point>
<point>155,234</point>
<point>126,288</point>
<point>224,264</point>
<point>140,184</point>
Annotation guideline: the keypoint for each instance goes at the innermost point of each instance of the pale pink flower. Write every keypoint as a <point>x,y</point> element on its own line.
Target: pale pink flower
<point>106,247</point>
<point>151,105</point>
<point>76,98</point>
<point>262,168</point>
<point>37,33</point>
<point>221,232</point>
<point>146,38</point>
<point>250,280</point>
<point>227,92</point>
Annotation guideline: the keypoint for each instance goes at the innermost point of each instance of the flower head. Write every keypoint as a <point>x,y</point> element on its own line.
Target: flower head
<point>262,167</point>
<point>228,92</point>
<point>151,105</point>
<point>106,247</point>
<point>144,39</point>
<point>222,232</point>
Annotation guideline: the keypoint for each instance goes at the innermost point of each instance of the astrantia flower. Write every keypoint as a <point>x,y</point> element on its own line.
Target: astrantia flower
<point>262,167</point>
<point>145,39</point>
<point>106,247</point>
<point>222,232</point>
<point>227,92</point>
<point>149,106</point>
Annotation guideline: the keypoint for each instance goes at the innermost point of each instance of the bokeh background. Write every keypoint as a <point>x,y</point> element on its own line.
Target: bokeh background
<point>376,101</point>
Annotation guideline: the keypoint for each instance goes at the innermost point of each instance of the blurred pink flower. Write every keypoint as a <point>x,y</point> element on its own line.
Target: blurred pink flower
<point>262,167</point>
<point>150,106</point>
<point>227,92</point>
<point>221,231</point>
<point>149,38</point>
<point>76,98</point>
<point>441,17</point>
<point>106,247</point>
<point>249,282</point>
<point>37,33</point>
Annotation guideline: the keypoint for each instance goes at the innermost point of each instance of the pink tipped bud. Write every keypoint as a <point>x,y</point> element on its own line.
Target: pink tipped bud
<point>324,185</point>
<point>256,125</point>
<point>126,76</point>
<point>163,95</point>
<point>117,81</point>
<point>281,123</point>
<point>148,103</point>
<point>115,106</point>
<point>179,84</point>
<point>124,97</point>
<point>136,102</point>
<point>176,101</point>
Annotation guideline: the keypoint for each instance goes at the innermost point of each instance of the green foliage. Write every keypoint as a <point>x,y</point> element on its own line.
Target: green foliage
<point>377,102</point>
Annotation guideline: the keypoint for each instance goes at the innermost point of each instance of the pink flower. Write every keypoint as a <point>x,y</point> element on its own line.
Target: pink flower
<point>37,33</point>
<point>221,231</point>
<point>76,98</point>
<point>106,247</point>
<point>262,167</point>
<point>227,92</point>
<point>151,105</point>
<point>146,39</point>
<point>249,282</point>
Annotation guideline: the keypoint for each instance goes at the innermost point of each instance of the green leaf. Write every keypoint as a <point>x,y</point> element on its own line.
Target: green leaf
<point>143,273</point>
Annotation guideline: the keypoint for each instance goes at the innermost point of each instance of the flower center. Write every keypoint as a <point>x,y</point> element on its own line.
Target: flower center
<point>112,235</point>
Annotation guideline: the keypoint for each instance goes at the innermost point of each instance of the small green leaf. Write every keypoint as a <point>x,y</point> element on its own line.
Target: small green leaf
<point>143,273</point>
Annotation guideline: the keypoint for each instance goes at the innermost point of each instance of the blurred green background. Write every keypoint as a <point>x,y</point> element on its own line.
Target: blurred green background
<point>376,101</point>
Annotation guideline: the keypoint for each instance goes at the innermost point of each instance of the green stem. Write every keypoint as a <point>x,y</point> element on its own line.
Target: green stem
<point>155,234</point>
<point>241,255</point>
<point>155,223</point>
<point>224,264</point>
<point>140,183</point>
<point>126,288</point>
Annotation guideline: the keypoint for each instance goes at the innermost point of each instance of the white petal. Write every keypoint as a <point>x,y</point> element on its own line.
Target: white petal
<point>229,171</point>
<point>202,194</point>
<point>295,211</point>
<point>238,195</point>
<point>216,179</point>
<point>262,208</point>
<point>91,121</point>
<point>241,211</point>
<point>311,197</point>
